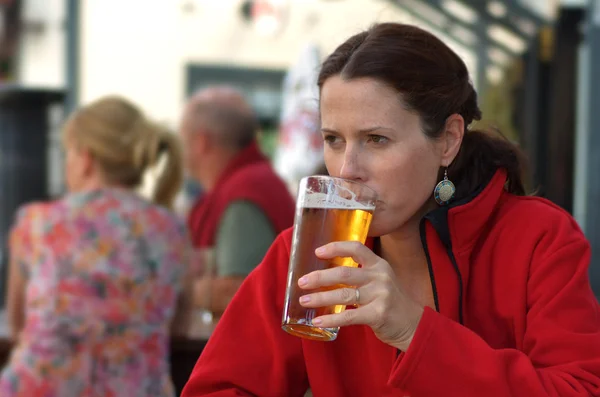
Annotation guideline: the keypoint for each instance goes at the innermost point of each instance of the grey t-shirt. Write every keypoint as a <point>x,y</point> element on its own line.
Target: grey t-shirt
<point>243,237</point>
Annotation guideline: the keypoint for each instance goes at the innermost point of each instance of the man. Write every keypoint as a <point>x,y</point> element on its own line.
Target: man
<point>244,205</point>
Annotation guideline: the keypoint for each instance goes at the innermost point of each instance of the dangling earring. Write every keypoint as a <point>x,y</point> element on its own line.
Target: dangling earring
<point>444,190</point>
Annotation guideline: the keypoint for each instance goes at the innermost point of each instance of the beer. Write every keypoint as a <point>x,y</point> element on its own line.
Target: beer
<point>321,219</point>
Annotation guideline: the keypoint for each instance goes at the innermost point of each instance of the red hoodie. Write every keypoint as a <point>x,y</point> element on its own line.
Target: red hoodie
<point>515,317</point>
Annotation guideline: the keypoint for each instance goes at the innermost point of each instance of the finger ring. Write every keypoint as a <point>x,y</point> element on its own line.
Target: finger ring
<point>357,296</point>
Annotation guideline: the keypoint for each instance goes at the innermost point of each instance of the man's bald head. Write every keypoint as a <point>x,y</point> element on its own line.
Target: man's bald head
<point>223,112</point>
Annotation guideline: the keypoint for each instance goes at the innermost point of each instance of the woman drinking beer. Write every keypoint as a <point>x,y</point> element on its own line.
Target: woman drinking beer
<point>467,287</point>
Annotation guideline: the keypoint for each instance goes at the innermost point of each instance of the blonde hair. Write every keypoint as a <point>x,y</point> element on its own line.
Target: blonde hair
<point>126,144</point>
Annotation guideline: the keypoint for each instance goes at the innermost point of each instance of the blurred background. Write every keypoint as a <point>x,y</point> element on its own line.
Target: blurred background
<point>533,62</point>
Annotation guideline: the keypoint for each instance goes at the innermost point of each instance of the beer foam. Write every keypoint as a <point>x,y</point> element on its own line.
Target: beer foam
<point>326,201</point>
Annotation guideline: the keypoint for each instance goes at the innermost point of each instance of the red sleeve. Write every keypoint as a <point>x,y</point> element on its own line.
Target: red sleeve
<point>561,345</point>
<point>249,353</point>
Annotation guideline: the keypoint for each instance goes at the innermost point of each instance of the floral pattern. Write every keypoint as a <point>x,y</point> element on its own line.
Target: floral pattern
<point>104,271</point>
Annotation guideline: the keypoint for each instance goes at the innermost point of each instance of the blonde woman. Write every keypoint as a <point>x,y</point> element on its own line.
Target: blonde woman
<point>96,278</point>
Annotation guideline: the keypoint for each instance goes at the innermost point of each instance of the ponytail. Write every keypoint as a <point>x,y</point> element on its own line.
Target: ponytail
<point>480,155</point>
<point>126,144</point>
<point>171,177</point>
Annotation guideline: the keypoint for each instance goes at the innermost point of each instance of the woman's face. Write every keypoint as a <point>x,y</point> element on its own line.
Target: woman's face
<point>371,138</point>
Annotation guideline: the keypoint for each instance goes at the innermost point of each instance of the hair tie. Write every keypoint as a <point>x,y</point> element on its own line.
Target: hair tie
<point>163,146</point>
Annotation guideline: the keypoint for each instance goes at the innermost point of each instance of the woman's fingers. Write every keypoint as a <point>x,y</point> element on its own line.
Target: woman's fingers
<point>343,275</point>
<point>362,315</point>
<point>334,276</point>
<point>349,249</point>
<point>338,296</point>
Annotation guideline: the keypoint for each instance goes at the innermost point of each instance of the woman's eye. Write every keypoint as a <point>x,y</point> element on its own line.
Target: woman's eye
<point>377,139</point>
<point>331,139</point>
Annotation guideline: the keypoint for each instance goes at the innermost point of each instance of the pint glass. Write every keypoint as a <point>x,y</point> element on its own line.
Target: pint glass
<point>328,209</point>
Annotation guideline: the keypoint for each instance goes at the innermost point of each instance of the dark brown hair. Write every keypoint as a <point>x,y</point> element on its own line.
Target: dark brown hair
<point>434,82</point>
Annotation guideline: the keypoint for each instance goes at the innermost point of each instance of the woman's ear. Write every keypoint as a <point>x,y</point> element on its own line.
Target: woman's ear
<point>454,131</point>
<point>87,163</point>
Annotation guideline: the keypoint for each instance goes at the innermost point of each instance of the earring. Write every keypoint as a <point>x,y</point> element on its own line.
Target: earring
<point>444,190</point>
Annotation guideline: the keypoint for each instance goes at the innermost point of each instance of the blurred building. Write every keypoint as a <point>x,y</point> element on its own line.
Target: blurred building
<point>156,52</point>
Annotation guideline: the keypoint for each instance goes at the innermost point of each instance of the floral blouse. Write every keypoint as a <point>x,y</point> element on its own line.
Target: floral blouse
<point>104,270</point>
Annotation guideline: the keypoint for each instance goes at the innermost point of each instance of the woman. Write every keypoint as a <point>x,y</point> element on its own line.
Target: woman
<point>95,276</point>
<point>485,293</point>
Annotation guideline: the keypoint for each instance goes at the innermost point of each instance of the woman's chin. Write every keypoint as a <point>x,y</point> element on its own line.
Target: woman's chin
<point>379,227</point>
<point>376,230</point>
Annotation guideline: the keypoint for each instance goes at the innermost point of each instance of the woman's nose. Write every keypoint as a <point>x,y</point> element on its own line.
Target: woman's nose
<point>351,165</point>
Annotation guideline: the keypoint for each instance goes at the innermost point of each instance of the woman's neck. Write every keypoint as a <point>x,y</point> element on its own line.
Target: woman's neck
<point>403,250</point>
<point>98,184</point>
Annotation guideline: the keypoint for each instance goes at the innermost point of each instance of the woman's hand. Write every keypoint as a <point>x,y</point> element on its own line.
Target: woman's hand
<point>382,304</point>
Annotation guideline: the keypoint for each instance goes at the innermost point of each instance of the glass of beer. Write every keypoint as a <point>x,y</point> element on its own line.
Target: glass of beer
<point>328,209</point>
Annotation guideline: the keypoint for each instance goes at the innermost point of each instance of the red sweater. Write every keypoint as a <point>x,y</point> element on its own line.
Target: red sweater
<point>248,177</point>
<point>513,270</point>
